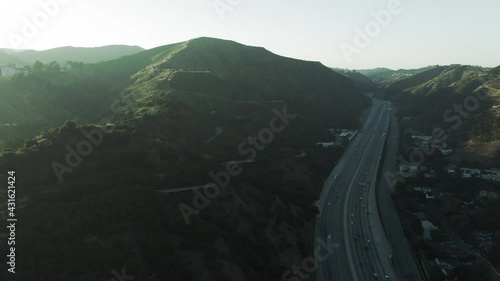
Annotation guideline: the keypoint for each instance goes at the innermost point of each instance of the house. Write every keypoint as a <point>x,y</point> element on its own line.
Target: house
<point>485,236</point>
<point>428,228</point>
<point>427,191</point>
<point>445,150</point>
<point>488,194</point>
<point>451,170</point>
<point>413,168</point>
<point>326,144</point>
<point>468,173</point>
<point>491,175</point>
<point>7,71</point>
<point>408,170</point>
<point>430,174</point>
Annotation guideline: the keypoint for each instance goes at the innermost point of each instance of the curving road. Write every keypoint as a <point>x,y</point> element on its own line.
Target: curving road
<point>348,208</point>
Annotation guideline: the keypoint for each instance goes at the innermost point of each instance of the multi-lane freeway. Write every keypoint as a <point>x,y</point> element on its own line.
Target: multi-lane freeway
<point>348,208</point>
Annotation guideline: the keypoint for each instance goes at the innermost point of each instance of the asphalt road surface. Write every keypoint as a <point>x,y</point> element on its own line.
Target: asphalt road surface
<point>403,260</point>
<point>348,208</point>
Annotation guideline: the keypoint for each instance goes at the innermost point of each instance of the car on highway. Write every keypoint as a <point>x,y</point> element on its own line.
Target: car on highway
<point>375,275</point>
<point>352,222</point>
<point>369,241</point>
<point>329,203</point>
<point>387,277</point>
<point>329,236</point>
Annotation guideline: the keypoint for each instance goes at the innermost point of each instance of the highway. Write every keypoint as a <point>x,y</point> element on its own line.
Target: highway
<point>404,262</point>
<point>348,211</point>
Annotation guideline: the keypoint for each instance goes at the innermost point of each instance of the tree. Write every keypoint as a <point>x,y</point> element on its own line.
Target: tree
<point>53,67</point>
<point>68,127</point>
<point>38,67</point>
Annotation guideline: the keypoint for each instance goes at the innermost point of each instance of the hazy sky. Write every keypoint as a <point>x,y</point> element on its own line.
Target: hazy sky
<point>418,32</point>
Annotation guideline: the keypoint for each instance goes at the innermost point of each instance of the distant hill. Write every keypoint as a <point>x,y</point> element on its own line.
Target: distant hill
<point>363,82</point>
<point>5,57</point>
<point>63,54</point>
<point>432,98</point>
<point>384,76</point>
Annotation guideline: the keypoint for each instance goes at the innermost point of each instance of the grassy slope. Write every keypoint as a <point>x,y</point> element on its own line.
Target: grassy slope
<point>363,83</point>
<point>443,87</point>
<point>85,55</point>
<point>107,212</point>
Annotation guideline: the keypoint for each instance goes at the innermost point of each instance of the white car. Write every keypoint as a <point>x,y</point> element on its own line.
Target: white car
<point>329,203</point>
<point>329,236</point>
<point>352,222</point>
<point>387,277</point>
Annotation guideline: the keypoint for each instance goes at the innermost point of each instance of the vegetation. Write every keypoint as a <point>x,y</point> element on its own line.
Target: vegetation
<point>458,108</point>
<point>63,54</point>
<point>168,117</point>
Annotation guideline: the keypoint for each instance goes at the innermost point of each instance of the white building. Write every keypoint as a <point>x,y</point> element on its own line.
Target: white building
<point>7,71</point>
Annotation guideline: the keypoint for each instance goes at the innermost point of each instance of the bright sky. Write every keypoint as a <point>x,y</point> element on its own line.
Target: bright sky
<point>418,33</point>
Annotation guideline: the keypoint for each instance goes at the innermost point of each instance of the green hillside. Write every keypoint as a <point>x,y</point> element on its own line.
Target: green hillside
<point>385,76</point>
<point>46,96</point>
<point>171,117</point>
<point>64,54</point>
<point>447,88</point>
<point>363,83</point>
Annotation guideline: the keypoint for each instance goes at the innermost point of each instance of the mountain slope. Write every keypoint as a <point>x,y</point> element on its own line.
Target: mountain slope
<point>77,54</point>
<point>172,117</point>
<point>384,76</point>
<point>463,100</point>
<point>363,83</point>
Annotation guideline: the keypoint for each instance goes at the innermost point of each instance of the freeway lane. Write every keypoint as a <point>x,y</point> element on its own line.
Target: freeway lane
<point>348,210</point>
<point>404,262</point>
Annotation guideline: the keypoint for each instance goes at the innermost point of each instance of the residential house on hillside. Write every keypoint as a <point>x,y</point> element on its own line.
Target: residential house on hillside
<point>488,194</point>
<point>429,143</point>
<point>468,173</point>
<point>429,194</point>
<point>8,70</point>
<point>491,175</point>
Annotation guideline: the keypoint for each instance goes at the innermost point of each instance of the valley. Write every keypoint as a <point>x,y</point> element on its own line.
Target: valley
<point>209,159</point>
